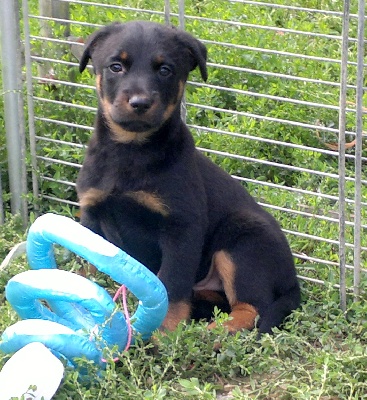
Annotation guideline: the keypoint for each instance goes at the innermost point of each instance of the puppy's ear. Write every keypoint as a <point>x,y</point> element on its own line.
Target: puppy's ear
<point>198,53</point>
<point>89,47</point>
<point>95,38</point>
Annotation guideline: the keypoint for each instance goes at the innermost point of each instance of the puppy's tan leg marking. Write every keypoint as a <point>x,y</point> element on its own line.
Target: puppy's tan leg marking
<point>149,200</point>
<point>243,317</point>
<point>209,295</point>
<point>226,269</point>
<point>92,197</point>
<point>243,314</point>
<point>177,312</point>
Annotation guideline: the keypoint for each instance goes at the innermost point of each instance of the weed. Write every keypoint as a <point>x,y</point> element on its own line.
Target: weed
<point>320,353</point>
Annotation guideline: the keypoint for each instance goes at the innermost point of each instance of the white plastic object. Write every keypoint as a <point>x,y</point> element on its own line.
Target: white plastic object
<point>33,366</point>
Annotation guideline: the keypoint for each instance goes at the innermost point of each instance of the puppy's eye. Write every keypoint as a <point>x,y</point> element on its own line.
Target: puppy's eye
<point>165,70</point>
<point>116,67</point>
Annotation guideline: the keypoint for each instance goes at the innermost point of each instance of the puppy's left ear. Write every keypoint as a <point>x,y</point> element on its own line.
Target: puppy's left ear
<point>88,48</point>
<point>197,52</point>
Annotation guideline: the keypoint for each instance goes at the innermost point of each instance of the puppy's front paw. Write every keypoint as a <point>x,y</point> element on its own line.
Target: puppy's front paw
<point>243,316</point>
<point>177,312</point>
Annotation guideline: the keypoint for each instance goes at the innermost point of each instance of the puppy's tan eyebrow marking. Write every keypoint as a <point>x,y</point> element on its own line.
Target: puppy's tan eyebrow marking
<point>124,56</point>
<point>159,60</point>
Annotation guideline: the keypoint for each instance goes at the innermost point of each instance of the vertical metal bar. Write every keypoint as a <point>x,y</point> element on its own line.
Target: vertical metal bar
<point>181,14</point>
<point>167,12</point>
<point>13,104</point>
<point>181,24</point>
<point>342,128</point>
<point>31,123</point>
<point>358,149</point>
<point>1,203</point>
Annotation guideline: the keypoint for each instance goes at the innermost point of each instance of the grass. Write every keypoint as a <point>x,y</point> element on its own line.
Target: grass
<point>319,354</point>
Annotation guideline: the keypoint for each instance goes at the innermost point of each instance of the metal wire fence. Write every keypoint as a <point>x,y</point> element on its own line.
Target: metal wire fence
<point>283,111</point>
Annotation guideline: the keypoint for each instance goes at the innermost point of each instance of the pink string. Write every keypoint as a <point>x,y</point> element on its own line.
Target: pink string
<point>120,292</point>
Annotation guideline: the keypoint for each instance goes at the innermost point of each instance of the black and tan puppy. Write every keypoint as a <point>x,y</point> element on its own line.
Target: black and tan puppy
<point>145,187</point>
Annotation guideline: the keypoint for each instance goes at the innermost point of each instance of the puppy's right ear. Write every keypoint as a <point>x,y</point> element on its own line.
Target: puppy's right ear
<point>88,49</point>
<point>95,38</point>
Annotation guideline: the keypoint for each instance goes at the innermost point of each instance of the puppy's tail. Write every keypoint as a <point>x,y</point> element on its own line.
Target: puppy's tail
<point>279,309</point>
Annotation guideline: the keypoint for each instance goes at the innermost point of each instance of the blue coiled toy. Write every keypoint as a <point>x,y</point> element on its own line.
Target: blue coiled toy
<point>80,318</point>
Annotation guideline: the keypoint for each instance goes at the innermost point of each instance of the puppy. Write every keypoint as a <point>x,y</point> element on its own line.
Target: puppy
<point>144,186</point>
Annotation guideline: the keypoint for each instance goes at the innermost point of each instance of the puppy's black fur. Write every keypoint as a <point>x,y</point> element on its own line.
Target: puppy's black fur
<point>144,186</point>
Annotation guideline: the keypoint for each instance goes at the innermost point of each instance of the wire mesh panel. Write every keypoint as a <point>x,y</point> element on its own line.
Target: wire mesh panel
<point>269,113</point>
<point>273,119</point>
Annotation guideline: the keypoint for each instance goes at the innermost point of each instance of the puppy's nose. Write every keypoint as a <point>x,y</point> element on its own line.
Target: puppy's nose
<point>140,103</point>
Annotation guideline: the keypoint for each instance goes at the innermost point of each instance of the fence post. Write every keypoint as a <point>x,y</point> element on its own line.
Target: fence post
<point>1,203</point>
<point>358,149</point>
<point>181,24</point>
<point>13,104</point>
<point>342,129</point>
<point>50,10</point>
<point>167,12</point>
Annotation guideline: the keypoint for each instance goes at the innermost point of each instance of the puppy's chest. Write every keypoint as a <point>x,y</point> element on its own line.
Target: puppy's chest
<point>138,190</point>
<point>126,183</point>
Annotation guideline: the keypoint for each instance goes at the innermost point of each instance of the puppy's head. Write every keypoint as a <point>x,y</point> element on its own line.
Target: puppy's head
<point>141,69</point>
